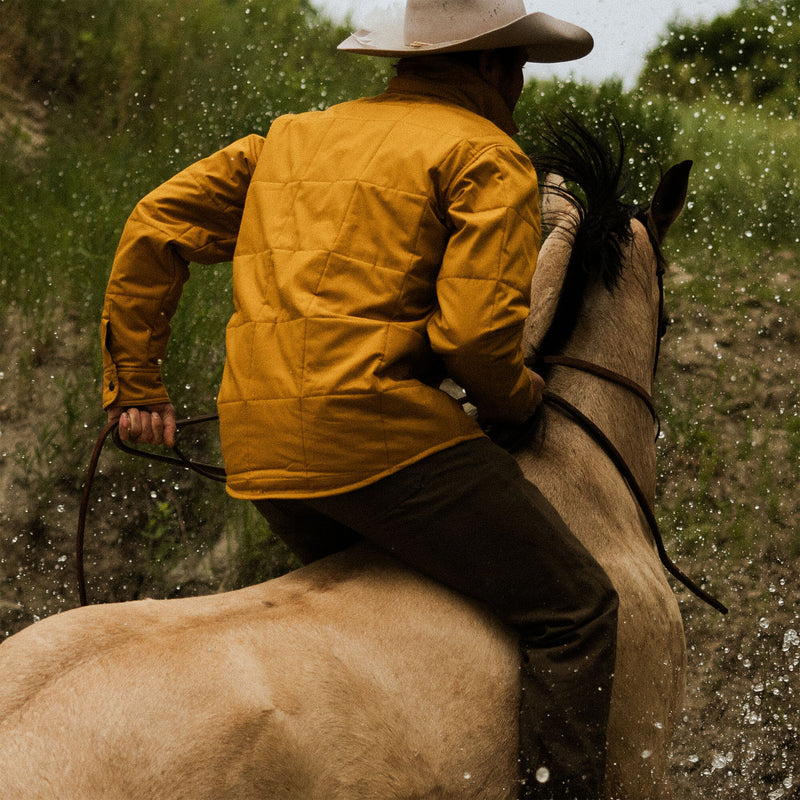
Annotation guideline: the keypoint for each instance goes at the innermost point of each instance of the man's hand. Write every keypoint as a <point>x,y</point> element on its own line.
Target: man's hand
<point>538,384</point>
<point>514,436</point>
<point>147,424</point>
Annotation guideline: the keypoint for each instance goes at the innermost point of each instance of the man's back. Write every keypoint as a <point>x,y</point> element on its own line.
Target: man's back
<point>357,221</point>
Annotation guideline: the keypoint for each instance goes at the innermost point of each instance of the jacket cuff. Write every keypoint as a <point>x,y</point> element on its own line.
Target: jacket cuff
<point>129,386</point>
<point>133,387</point>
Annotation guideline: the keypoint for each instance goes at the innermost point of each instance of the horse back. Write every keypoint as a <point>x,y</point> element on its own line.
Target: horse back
<point>352,677</point>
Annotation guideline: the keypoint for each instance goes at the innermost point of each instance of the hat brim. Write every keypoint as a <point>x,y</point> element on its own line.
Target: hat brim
<point>547,39</point>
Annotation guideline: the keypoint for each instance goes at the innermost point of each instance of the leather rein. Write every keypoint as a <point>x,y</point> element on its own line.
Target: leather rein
<point>555,401</point>
<point>609,375</point>
<point>112,428</point>
<point>568,410</point>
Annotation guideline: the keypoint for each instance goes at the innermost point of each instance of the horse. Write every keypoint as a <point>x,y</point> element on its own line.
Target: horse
<point>354,677</point>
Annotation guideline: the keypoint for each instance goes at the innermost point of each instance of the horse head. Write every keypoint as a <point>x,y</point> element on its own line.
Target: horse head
<point>594,237</point>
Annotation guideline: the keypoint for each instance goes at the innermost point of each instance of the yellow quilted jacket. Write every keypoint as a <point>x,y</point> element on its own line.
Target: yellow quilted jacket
<point>376,246</point>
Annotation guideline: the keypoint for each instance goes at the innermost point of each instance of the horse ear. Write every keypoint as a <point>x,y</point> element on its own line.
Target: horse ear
<point>669,199</point>
<point>548,278</point>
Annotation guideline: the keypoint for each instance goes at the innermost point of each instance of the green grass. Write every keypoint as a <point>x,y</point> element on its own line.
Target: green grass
<point>133,94</point>
<point>745,181</point>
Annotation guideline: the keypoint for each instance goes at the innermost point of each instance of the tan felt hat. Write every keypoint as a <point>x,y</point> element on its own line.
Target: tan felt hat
<point>447,26</point>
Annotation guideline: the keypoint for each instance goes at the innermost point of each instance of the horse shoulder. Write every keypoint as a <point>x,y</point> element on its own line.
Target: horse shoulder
<point>599,508</point>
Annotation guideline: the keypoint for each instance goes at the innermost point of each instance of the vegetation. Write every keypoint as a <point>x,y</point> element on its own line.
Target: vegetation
<point>184,74</point>
<point>135,94</point>
<point>131,92</point>
<point>748,57</point>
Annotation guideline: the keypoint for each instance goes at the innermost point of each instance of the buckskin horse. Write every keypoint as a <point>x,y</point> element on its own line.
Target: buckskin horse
<point>354,678</point>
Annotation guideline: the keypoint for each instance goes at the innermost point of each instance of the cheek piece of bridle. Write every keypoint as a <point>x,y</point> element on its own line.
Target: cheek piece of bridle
<point>567,409</point>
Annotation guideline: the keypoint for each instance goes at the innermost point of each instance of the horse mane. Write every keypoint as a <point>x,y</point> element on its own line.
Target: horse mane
<point>593,168</point>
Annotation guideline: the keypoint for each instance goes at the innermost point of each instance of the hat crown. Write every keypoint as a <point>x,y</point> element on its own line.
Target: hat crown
<point>438,21</point>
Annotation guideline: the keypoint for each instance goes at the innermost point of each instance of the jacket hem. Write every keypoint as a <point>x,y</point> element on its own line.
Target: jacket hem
<point>299,494</point>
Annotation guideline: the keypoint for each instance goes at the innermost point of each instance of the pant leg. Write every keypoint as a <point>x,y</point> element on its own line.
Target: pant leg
<point>467,517</point>
<point>309,534</point>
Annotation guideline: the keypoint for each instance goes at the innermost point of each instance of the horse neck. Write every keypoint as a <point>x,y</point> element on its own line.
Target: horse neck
<point>618,331</point>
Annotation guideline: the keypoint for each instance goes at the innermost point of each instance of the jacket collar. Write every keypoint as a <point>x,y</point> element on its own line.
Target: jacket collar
<point>453,81</point>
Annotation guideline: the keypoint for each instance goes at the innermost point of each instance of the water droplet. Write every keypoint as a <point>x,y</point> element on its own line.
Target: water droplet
<point>542,775</point>
<point>790,637</point>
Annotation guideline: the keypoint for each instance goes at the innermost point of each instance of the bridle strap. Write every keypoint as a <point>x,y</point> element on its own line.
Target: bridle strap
<point>609,375</point>
<point>210,471</point>
<point>567,409</point>
<point>84,507</point>
<point>206,470</point>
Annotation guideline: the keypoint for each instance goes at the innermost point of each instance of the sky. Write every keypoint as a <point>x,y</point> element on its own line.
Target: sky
<point>623,30</point>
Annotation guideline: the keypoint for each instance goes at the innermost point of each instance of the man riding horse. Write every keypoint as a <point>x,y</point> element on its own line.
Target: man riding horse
<point>379,246</point>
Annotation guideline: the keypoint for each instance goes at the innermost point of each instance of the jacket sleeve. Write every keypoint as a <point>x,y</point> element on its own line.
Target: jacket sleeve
<point>193,217</point>
<point>483,287</point>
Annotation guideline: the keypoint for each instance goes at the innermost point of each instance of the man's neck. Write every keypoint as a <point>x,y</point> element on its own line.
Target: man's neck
<point>453,79</point>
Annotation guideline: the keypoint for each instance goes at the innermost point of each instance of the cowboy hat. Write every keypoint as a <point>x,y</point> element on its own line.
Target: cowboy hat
<point>447,26</point>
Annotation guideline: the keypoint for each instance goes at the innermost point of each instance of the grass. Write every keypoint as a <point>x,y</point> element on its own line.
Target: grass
<point>68,213</point>
<point>745,179</point>
<point>730,401</point>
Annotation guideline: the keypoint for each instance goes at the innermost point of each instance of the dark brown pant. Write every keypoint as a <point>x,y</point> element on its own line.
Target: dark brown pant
<point>468,518</point>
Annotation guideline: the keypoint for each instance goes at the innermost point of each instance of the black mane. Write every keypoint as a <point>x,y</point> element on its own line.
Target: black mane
<point>594,169</point>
